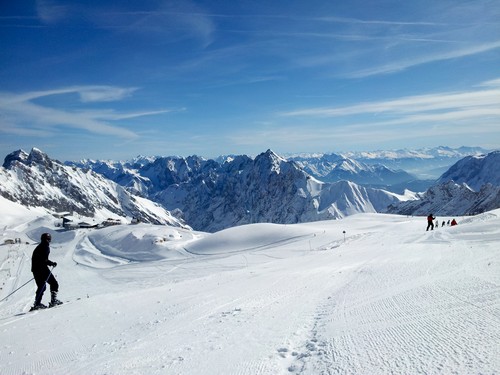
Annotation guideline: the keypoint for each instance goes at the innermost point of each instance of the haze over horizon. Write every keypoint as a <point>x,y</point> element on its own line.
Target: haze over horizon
<point>108,80</point>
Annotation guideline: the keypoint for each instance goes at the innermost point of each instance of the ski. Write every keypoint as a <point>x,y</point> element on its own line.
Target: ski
<point>48,307</point>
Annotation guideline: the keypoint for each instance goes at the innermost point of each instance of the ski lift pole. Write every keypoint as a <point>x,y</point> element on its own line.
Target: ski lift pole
<point>3,299</point>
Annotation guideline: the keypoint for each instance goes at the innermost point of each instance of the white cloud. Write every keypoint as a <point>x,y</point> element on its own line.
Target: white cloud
<point>112,115</point>
<point>467,114</point>
<point>103,93</point>
<point>86,93</point>
<point>479,99</point>
<point>49,11</point>
<point>375,22</point>
<point>403,64</point>
<point>491,83</point>
<point>22,115</point>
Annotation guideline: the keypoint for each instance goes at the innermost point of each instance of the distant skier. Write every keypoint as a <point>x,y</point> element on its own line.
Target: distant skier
<point>443,224</point>
<point>40,267</point>
<point>453,222</point>
<point>430,222</point>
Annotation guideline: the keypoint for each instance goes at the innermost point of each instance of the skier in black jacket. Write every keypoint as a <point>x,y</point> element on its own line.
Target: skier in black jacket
<point>40,267</point>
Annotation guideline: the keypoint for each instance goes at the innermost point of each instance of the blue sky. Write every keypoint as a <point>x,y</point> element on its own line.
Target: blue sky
<point>109,79</point>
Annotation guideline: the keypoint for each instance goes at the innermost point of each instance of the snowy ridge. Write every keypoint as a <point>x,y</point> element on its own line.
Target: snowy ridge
<point>214,195</point>
<point>35,180</point>
<point>452,194</point>
<point>266,189</point>
<point>423,153</point>
<point>148,176</point>
<point>475,171</point>
<point>426,163</point>
<point>369,294</point>
<point>211,196</point>
<point>451,199</point>
<point>333,168</point>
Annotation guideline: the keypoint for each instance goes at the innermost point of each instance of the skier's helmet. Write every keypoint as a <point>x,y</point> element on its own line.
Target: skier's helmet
<point>46,237</point>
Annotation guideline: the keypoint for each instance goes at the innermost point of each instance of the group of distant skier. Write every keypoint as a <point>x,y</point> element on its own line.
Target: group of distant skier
<point>431,225</point>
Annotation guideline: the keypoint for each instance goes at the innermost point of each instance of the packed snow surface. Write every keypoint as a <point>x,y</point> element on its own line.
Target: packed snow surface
<point>385,297</point>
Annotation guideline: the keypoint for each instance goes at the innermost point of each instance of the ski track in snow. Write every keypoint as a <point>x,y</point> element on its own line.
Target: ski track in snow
<point>355,333</point>
<point>395,300</point>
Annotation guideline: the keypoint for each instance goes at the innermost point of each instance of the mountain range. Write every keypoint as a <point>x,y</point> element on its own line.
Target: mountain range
<point>470,186</point>
<point>210,195</point>
<point>35,180</point>
<point>333,167</point>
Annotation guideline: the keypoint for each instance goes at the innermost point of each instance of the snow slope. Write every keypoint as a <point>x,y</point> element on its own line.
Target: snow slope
<point>385,297</point>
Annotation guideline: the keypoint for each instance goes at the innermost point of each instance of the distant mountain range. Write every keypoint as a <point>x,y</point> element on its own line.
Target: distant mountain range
<point>333,168</point>
<point>211,195</point>
<point>470,186</point>
<point>424,164</point>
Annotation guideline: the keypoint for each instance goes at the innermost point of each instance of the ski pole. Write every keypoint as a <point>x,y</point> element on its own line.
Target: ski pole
<point>3,299</point>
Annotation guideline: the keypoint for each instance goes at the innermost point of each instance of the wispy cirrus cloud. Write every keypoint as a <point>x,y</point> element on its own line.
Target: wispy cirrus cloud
<point>23,114</point>
<point>103,93</point>
<point>390,43</point>
<point>349,20</point>
<point>314,136</point>
<point>86,93</point>
<point>476,99</point>
<point>450,115</point>
<point>50,11</point>
<point>406,63</point>
<point>491,83</point>
<point>170,20</point>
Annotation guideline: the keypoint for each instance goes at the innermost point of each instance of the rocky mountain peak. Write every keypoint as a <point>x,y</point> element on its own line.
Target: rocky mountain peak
<point>270,161</point>
<point>16,156</point>
<point>38,156</point>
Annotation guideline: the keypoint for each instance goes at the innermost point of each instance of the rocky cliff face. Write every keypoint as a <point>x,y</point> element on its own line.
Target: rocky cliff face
<point>212,195</point>
<point>265,189</point>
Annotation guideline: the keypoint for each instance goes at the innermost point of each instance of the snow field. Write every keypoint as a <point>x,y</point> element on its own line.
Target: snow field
<point>388,298</point>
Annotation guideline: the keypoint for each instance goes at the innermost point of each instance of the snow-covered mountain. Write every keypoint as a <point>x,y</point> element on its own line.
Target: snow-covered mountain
<point>425,163</point>
<point>271,189</point>
<point>450,199</point>
<point>470,186</point>
<point>35,180</point>
<point>123,173</point>
<point>146,176</point>
<point>422,153</point>
<point>333,167</point>
<point>211,195</point>
<point>475,171</point>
